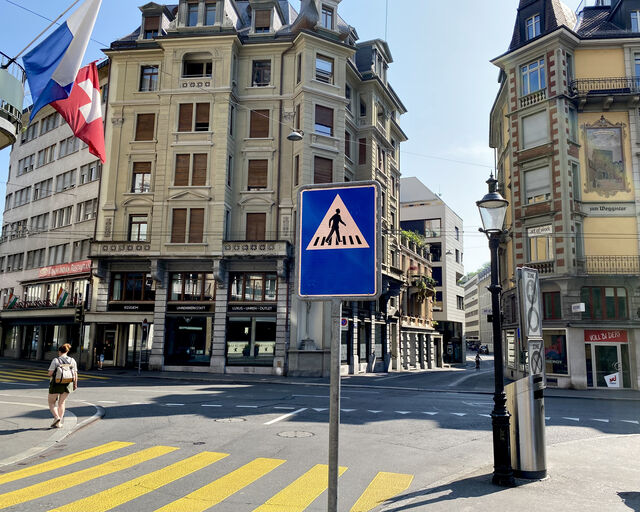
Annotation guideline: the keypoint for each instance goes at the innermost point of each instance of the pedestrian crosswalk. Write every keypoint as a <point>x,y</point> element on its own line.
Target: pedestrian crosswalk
<point>13,374</point>
<point>140,483</point>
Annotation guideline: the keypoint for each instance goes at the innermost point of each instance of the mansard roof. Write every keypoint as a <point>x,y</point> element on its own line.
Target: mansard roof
<point>554,14</point>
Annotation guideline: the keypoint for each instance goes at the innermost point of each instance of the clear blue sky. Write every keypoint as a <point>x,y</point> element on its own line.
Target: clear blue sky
<point>441,71</point>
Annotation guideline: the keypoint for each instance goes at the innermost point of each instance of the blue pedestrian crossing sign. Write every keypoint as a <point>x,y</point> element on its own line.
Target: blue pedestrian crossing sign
<point>337,241</point>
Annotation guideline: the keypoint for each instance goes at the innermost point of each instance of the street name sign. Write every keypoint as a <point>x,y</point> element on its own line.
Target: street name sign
<point>338,241</point>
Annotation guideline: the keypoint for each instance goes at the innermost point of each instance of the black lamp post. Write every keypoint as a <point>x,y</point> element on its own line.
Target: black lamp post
<point>493,208</point>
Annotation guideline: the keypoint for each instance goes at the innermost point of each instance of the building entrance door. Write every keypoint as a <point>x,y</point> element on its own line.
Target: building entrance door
<point>607,359</point>
<point>109,341</point>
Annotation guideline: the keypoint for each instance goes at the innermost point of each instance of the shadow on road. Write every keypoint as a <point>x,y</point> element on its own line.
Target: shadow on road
<point>631,500</point>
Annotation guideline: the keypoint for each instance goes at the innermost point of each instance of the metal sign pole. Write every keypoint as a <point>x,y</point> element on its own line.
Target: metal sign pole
<point>334,404</point>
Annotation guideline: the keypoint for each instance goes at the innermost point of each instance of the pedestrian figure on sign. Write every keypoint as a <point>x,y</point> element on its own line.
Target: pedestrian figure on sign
<point>334,223</point>
<point>63,371</point>
<point>478,361</point>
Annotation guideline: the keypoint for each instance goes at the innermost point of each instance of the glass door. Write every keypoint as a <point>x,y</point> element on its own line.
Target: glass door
<point>606,359</point>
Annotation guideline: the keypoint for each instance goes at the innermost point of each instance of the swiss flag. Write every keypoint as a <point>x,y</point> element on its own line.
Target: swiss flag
<point>82,111</point>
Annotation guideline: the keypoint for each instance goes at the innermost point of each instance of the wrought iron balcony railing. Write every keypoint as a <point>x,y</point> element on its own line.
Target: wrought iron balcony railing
<point>605,86</point>
<point>610,265</point>
<point>543,267</point>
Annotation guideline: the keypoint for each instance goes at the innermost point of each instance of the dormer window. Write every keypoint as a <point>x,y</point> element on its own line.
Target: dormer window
<point>635,21</point>
<point>262,21</point>
<point>533,27</point>
<point>210,14</point>
<point>327,17</point>
<point>151,27</point>
<point>192,14</point>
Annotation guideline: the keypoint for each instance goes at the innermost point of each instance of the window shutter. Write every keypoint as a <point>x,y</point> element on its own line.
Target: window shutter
<point>199,177</point>
<point>322,170</point>
<point>145,126</point>
<point>152,23</point>
<point>196,225</point>
<point>202,116</point>
<point>362,151</point>
<point>140,167</point>
<point>263,19</point>
<point>182,170</point>
<point>257,174</point>
<point>256,223</point>
<point>324,116</point>
<point>185,117</point>
<point>259,128</point>
<point>179,226</point>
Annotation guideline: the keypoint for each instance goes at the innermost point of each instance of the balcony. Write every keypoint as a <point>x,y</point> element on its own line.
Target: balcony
<point>543,267</point>
<point>114,248</point>
<point>604,91</point>
<point>261,249</point>
<point>12,78</point>
<point>610,265</point>
<point>533,98</point>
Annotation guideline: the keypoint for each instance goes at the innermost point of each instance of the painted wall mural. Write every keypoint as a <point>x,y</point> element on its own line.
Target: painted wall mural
<point>605,173</point>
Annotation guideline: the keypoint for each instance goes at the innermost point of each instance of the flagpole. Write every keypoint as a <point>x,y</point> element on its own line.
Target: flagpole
<point>5,66</point>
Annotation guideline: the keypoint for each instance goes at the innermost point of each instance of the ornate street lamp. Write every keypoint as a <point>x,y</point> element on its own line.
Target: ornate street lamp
<point>493,208</point>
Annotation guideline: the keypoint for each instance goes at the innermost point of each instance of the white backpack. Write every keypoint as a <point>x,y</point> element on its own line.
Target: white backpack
<point>64,372</point>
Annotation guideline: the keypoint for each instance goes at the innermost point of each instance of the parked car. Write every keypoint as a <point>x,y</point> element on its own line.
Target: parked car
<point>483,349</point>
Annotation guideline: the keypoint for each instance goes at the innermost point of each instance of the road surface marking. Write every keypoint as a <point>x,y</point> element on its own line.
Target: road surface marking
<point>324,396</point>
<point>459,414</point>
<point>347,410</point>
<point>320,409</point>
<point>285,408</point>
<point>547,418</point>
<point>220,489</point>
<point>247,406</point>
<point>285,416</point>
<point>173,405</point>
<point>429,413</point>
<point>211,405</point>
<point>631,421</point>
<point>402,412</point>
<point>485,415</point>
<point>69,480</point>
<point>297,496</point>
<point>62,461</point>
<point>465,377</point>
<point>389,378</point>
<point>123,493</point>
<point>601,420</point>
<point>374,412</point>
<point>382,488</point>
<point>107,402</point>
<point>571,419</point>
<point>13,376</point>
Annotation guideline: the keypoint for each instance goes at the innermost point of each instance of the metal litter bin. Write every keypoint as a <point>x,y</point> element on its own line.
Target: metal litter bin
<point>525,402</point>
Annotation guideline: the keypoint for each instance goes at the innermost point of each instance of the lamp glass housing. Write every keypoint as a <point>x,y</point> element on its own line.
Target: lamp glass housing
<point>493,209</point>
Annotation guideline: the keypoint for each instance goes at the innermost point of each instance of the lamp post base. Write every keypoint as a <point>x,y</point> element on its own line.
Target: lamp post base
<point>502,472</point>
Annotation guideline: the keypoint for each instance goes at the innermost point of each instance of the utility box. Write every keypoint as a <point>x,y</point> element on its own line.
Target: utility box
<point>525,402</point>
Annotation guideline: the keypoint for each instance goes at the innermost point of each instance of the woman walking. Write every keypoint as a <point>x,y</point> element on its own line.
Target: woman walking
<point>61,369</point>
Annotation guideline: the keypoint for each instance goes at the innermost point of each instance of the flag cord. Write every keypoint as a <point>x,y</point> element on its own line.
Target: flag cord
<point>5,66</point>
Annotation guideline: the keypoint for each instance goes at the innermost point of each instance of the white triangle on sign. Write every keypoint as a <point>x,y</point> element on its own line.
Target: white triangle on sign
<point>337,230</point>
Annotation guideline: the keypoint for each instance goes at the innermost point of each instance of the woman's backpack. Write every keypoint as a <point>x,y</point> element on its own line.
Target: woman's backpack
<point>63,373</point>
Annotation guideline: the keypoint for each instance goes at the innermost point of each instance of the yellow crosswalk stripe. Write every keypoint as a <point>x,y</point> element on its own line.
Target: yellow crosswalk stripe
<point>220,489</point>
<point>13,376</point>
<point>44,374</point>
<point>297,496</point>
<point>62,461</point>
<point>67,481</point>
<point>111,498</point>
<point>382,488</point>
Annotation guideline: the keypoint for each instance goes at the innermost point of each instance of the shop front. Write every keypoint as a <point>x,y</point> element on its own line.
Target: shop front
<point>607,358</point>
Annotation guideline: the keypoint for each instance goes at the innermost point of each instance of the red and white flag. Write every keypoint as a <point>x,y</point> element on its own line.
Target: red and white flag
<point>82,110</point>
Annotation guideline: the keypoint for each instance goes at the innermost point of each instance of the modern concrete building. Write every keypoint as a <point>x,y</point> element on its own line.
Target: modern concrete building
<point>471,315</point>
<point>48,223</point>
<point>425,213</point>
<point>564,127</point>
<point>197,215</point>
<point>12,79</point>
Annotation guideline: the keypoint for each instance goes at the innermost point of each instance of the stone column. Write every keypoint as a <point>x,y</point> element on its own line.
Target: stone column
<point>156,357</point>
<point>219,341</point>
<point>280,359</point>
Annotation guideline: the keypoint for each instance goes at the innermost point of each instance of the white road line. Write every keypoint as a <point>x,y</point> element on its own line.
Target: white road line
<point>173,405</point>
<point>106,402</point>
<point>374,412</point>
<point>285,416</point>
<point>430,413</point>
<point>389,378</point>
<point>485,415</point>
<point>571,419</point>
<point>459,414</point>
<point>402,412</point>
<point>547,418</point>
<point>211,405</point>
<point>631,421</point>
<point>465,377</point>
<point>247,406</point>
<point>285,408</point>
<point>347,410</point>
<point>320,410</point>
<point>601,420</point>
<point>314,396</point>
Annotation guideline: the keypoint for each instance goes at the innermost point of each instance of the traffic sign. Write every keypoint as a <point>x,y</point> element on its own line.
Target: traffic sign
<point>536,357</point>
<point>338,241</point>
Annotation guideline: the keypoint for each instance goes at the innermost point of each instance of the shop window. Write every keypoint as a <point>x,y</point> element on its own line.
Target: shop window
<point>188,122</point>
<point>145,127</point>
<point>552,308</point>
<point>252,287</point>
<point>259,124</point>
<point>188,286</point>
<point>604,303</point>
<point>322,170</point>
<point>555,352</point>
<point>132,286</point>
<point>187,340</point>
<point>251,340</point>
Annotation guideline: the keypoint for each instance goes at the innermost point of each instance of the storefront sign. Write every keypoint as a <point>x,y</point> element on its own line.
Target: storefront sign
<point>253,308</point>
<point>77,267</point>
<point>540,231</point>
<point>613,380</point>
<point>608,209</point>
<point>191,308</point>
<point>597,335</point>
<point>130,307</point>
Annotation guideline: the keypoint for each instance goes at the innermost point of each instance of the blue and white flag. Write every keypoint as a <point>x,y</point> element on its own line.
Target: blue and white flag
<point>52,66</point>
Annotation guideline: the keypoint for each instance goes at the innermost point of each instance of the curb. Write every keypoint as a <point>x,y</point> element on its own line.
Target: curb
<point>58,436</point>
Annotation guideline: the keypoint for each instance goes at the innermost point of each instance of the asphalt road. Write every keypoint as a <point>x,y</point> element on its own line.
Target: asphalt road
<point>262,441</point>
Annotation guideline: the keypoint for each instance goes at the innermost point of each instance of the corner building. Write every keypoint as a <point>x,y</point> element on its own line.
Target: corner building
<point>196,223</point>
<point>564,127</point>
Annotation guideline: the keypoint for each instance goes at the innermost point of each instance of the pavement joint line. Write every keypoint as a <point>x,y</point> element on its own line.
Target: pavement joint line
<point>285,416</point>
